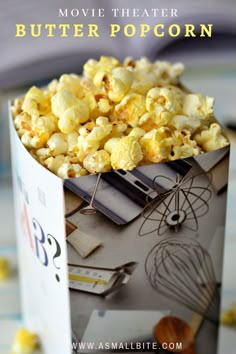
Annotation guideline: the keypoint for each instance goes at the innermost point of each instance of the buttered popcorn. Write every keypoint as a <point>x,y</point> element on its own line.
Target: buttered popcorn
<point>115,116</point>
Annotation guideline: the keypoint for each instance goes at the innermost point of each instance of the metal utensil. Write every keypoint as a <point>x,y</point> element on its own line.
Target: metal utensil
<point>89,209</point>
<point>181,269</point>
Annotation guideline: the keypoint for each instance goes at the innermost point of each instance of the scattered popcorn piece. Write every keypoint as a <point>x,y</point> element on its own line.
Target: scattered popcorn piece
<point>115,116</point>
<point>4,268</point>
<point>25,342</point>
<point>228,317</point>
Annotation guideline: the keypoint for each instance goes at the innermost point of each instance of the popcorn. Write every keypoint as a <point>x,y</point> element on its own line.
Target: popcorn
<point>156,144</point>
<point>131,108</point>
<point>161,100</point>
<point>71,83</point>
<point>70,170</point>
<point>167,73</point>
<point>198,106</point>
<point>61,101</point>
<point>100,131</point>
<point>73,116</point>
<point>105,63</point>
<point>180,122</point>
<point>126,154</point>
<point>116,84</point>
<point>57,144</point>
<point>97,162</point>
<point>72,143</point>
<point>35,102</point>
<point>4,268</point>
<point>211,139</point>
<point>228,317</point>
<point>25,342</point>
<point>115,116</point>
<point>85,147</point>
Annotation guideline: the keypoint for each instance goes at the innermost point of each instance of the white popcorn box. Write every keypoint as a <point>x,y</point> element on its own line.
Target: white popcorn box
<point>107,260</point>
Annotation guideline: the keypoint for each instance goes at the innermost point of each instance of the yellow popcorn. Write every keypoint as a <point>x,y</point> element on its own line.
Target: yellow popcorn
<point>126,76</point>
<point>115,116</point>
<point>98,161</point>
<point>228,317</point>
<point>126,153</point>
<point>104,105</point>
<point>92,66</point>
<point>61,101</point>
<point>212,138</point>
<point>35,102</point>
<point>47,124</point>
<point>52,87</point>
<point>4,268</point>
<point>53,163</point>
<point>183,151</point>
<point>198,106</point>
<point>156,144</point>
<point>70,82</point>
<point>166,73</point>
<point>181,122</point>
<point>23,123</point>
<point>131,108</point>
<point>114,87</point>
<point>72,143</point>
<point>161,99</point>
<point>25,342</point>
<point>137,133</point>
<point>111,144</point>
<point>73,116</point>
<point>86,147</point>
<point>57,144</point>
<point>34,140</point>
<point>118,127</point>
<point>70,170</point>
<point>85,129</point>
<point>102,129</point>
<point>17,107</point>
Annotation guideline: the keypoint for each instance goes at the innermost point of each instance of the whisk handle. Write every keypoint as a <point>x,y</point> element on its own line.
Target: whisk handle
<point>196,322</point>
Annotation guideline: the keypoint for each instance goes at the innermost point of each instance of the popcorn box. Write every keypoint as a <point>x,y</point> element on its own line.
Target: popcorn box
<point>125,260</point>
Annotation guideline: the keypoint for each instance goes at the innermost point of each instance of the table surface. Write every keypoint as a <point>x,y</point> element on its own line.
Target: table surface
<point>10,309</point>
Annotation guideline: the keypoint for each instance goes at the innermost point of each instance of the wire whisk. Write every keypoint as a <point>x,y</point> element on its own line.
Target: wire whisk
<point>182,270</point>
<point>182,203</point>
